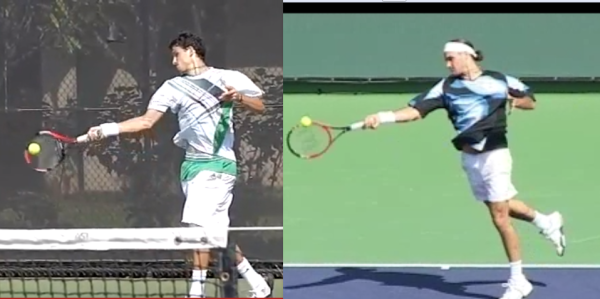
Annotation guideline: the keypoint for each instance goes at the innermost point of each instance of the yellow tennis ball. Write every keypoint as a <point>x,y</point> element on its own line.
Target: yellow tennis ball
<point>306,121</point>
<point>34,148</point>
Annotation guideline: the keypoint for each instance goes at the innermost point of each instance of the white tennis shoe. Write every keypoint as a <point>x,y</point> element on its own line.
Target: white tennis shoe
<point>554,233</point>
<point>266,291</point>
<point>262,293</point>
<point>517,288</point>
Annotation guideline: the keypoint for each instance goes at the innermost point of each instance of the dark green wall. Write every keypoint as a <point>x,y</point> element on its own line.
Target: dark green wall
<point>410,45</point>
<point>304,86</point>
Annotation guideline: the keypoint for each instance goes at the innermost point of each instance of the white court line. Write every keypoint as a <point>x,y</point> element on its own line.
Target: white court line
<point>584,240</point>
<point>530,266</point>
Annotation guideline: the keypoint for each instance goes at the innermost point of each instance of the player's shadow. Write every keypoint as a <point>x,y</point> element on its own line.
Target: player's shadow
<point>405,279</point>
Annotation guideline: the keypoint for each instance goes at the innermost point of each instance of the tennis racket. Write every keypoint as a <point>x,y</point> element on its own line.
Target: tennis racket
<point>53,150</point>
<point>314,140</point>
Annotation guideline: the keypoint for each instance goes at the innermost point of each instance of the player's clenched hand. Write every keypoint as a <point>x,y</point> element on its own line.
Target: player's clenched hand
<point>512,104</point>
<point>372,121</point>
<point>230,95</point>
<point>95,133</point>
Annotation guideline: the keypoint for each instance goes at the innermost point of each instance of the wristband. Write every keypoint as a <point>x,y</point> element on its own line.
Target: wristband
<point>109,129</point>
<point>386,117</point>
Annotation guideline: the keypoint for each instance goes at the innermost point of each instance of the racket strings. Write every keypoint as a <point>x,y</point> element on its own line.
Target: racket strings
<point>51,153</point>
<point>310,140</point>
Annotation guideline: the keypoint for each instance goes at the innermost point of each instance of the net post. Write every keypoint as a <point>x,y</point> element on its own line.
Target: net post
<point>226,270</point>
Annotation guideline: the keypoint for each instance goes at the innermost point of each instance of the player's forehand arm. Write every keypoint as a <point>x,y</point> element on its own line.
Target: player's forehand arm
<point>132,125</point>
<point>407,114</point>
<point>135,125</point>
<point>399,116</point>
<point>140,123</point>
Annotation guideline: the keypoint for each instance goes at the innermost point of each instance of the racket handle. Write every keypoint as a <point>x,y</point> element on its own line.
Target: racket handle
<point>83,138</point>
<point>357,126</point>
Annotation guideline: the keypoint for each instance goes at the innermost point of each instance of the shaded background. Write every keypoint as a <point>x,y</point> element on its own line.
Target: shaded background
<point>410,45</point>
<point>57,71</point>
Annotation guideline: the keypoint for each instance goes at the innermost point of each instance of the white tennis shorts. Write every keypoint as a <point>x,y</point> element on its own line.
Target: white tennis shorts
<point>208,197</point>
<point>490,174</point>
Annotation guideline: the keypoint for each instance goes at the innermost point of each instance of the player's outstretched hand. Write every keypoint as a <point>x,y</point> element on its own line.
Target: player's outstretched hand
<point>372,121</point>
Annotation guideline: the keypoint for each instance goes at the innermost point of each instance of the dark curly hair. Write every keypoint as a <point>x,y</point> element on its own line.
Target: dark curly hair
<point>187,39</point>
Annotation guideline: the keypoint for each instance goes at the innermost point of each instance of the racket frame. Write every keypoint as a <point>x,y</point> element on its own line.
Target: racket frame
<point>64,142</point>
<point>330,137</point>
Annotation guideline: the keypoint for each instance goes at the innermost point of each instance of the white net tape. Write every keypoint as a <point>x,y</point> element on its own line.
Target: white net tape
<point>118,238</point>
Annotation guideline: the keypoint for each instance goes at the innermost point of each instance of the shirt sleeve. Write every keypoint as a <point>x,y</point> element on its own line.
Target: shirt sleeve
<point>518,89</point>
<point>242,84</point>
<point>430,100</point>
<point>164,98</point>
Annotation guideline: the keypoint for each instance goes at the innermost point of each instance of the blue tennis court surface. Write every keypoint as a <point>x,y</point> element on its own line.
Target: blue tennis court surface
<point>432,282</point>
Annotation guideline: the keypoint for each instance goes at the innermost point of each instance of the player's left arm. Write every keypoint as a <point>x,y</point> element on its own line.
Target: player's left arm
<point>520,95</point>
<point>243,91</point>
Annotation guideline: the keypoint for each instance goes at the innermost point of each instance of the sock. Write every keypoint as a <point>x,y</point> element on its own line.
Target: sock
<point>254,279</point>
<point>198,280</point>
<point>516,269</point>
<point>541,221</point>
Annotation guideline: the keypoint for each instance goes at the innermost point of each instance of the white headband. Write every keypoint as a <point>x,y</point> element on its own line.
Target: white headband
<point>459,47</point>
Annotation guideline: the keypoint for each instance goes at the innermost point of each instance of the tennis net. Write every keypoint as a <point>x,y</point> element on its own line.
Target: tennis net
<point>78,263</point>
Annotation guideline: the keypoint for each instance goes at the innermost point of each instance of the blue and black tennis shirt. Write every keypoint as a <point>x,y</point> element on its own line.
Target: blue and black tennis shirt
<point>476,108</point>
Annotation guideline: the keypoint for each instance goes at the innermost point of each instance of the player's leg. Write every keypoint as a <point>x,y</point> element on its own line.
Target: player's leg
<point>550,226</point>
<point>518,286</point>
<point>261,288</point>
<point>499,212</point>
<point>201,260</point>
<point>499,166</point>
<point>209,197</point>
<point>545,222</point>
<point>489,177</point>
<point>195,210</point>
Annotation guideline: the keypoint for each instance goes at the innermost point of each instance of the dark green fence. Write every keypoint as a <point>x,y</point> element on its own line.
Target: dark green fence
<point>409,45</point>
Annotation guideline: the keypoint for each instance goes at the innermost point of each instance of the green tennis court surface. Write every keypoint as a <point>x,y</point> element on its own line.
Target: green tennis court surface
<point>127,288</point>
<point>374,198</point>
<point>383,211</point>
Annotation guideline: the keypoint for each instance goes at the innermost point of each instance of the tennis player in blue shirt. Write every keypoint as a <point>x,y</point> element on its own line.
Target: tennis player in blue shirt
<point>476,101</point>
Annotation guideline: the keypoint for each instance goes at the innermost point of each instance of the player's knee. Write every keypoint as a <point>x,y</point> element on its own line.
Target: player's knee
<point>500,213</point>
